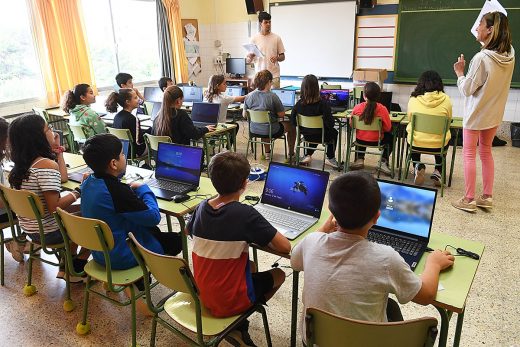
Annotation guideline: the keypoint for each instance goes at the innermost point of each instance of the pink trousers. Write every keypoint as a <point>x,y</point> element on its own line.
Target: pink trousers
<point>484,139</point>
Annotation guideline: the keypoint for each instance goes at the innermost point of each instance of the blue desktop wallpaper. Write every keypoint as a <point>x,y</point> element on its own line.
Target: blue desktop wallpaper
<point>179,163</point>
<point>296,189</point>
<point>407,209</point>
<point>335,97</point>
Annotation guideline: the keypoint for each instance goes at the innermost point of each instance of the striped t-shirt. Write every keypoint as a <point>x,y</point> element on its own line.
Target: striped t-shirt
<point>39,181</point>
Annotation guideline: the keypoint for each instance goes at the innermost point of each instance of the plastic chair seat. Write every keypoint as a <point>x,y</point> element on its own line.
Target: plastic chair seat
<point>119,277</point>
<point>181,308</point>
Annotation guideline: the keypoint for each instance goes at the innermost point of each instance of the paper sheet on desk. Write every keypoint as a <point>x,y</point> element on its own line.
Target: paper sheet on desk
<point>489,6</point>
<point>440,287</point>
<point>252,48</point>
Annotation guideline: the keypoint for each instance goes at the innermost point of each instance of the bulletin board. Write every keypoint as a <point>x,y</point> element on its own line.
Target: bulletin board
<point>192,46</point>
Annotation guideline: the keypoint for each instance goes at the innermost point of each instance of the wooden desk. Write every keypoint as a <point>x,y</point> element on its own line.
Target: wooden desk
<point>244,82</point>
<point>73,160</point>
<point>222,129</point>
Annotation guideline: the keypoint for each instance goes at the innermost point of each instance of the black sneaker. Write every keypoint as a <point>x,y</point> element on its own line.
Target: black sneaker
<point>498,142</point>
<point>239,338</point>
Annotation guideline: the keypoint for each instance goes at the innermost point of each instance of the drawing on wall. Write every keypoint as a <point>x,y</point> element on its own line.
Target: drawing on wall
<point>192,46</point>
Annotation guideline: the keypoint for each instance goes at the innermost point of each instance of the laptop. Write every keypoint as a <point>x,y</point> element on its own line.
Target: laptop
<point>338,99</point>
<point>153,94</point>
<point>234,91</point>
<point>191,94</point>
<point>406,219</point>
<point>287,97</point>
<point>77,175</point>
<point>205,113</point>
<point>177,170</point>
<point>292,198</point>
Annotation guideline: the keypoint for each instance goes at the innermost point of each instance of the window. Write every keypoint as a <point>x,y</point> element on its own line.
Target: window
<point>20,76</point>
<point>122,36</point>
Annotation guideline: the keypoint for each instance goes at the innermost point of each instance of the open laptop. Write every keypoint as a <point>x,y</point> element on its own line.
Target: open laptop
<point>204,113</point>
<point>77,175</point>
<point>177,170</point>
<point>338,99</point>
<point>191,94</point>
<point>406,219</point>
<point>287,97</point>
<point>153,94</point>
<point>234,91</point>
<point>293,198</point>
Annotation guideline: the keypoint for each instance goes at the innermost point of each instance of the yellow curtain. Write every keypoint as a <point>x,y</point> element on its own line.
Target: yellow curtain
<point>173,11</point>
<point>61,45</point>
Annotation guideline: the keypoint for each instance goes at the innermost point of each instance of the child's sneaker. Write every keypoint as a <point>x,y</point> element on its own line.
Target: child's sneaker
<point>358,164</point>
<point>306,160</point>
<point>436,178</point>
<point>484,202</point>
<point>463,205</point>
<point>385,169</point>
<point>419,174</point>
<point>16,250</point>
<point>332,162</point>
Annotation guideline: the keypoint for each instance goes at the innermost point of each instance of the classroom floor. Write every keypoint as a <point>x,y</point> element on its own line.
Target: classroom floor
<point>492,312</point>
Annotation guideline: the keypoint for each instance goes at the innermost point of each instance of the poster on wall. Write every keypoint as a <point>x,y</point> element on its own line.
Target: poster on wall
<point>192,47</point>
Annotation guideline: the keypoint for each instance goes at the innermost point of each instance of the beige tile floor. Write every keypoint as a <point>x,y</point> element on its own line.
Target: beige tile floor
<point>492,316</point>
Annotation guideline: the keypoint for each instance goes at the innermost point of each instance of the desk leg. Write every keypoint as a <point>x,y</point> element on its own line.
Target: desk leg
<point>206,149</point>
<point>453,155</point>
<point>458,329</point>
<point>294,308</point>
<point>395,133</point>
<point>445,324</point>
<point>340,136</point>
<point>184,239</point>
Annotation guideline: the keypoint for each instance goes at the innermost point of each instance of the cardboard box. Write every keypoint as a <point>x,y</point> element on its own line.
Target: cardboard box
<point>362,76</point>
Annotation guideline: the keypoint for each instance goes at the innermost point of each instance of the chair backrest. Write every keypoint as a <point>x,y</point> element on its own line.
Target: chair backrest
<point>258,116</point>
<point>172,272</point>
<point>330,86</point>
<point>314,122</point>
<point>21,202</point>
<point>152,141</point>
<point>148,107</point>
<point>78,131</point>
<point>360,125</point>
<point>82,231</point>
<point>42,113</point>
<point>430,124</point>
<point>326,329</point>
<point>122,134</point>
<point>357,92</point>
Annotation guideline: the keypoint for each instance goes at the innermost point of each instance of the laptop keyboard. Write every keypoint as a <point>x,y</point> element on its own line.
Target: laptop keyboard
<point>283,220</point>
<point>409,247</point>
<point>168,185</point>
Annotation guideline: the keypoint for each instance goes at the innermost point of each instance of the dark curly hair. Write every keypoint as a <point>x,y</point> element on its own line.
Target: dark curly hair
<point>27,141</point>
<point>430,81</point>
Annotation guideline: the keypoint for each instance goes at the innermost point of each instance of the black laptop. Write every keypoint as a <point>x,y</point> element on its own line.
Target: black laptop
<point>406,219</point>
<point>177,170</point>
<point>338,99</point>
<point>205,113</point>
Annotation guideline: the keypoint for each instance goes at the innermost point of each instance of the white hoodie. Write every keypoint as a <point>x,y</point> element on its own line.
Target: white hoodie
<point>486,87</point>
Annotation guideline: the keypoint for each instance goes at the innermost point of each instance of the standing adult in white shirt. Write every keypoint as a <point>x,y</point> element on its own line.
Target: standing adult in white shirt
<point>272,48</point>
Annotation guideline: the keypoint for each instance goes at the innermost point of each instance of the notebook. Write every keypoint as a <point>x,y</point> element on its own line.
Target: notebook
<point>406,219</point>
<point>338,99</point>
<point>177,170</point>
<point>292,198</point>
<point>191,94</point>
<point>287,97</point>
<point>204,113</point>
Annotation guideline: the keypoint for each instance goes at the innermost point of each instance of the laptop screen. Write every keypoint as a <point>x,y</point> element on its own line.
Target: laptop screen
<point>295,188</point>
<point>179,163</point>
<point>153,94</point>
<point>405,208</point>
<point>234,91</point>
<point>335,97</point>
<point>126,148</point>
<point>205,112</point>
<point>286,96</point>
<point>192,94</point>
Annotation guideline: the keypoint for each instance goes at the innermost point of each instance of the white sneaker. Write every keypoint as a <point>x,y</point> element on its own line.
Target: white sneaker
<point>306,160</point>
<point>385,169</point>
<point>332,162</point>
<point>16,250</point>
<point>419,175</point>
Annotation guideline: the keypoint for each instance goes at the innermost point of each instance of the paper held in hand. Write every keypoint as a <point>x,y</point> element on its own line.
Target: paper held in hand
<point>252,48</point>
<point>489,6</point>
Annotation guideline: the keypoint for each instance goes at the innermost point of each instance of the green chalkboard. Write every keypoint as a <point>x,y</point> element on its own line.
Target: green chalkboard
<point>432,34</point>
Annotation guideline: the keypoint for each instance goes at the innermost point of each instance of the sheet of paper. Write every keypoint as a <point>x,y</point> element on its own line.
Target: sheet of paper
<point>489,6</point>
<point>252,48</point>
<point>440,287</point>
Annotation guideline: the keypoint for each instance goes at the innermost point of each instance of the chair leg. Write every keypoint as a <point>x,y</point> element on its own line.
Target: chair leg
<point>154,331</point>
<point>266,326</point>
<point>68,304</point>
<point>30,289</point>
<point>2,257</point>
<point>134,324</point>
<point>83,327</point>
<point>443,175</point>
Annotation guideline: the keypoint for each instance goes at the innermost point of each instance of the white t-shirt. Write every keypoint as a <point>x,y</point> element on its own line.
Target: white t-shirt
<point>270,45</point>
<point>224,101</point>
<point>351,277</point>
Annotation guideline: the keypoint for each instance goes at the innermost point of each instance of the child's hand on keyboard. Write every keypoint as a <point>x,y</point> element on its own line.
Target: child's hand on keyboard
<point>135,184</point>
<point>329,226</point>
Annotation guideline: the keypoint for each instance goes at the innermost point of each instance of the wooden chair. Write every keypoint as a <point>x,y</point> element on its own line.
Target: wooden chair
<point>433,125</point>
<point>59,124</point>
<point>152,143</point>
<point>326,330</point>
<point>96,235</point>
<point>27,204</point>
<point>262,117</point>
<point>183,304</point>
<point>314,122</point>
<point>125,134</point>
<point>330,86</point>
<point>78,135</point>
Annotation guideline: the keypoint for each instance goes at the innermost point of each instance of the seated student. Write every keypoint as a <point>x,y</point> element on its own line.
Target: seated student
<point>40,168</point>
<point>124,119</point>
<point>262,99</point>
<point>367,111</point>
<point>311,105</point>
<point>428,97</point>
<point>123,207</point>
<point>347,275</point>
<point>216,94</point>
<point>222,228</point>
<point>165,82</point>
<point>174,122</point>
<point>125,81</point>
<point>77,103</point>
